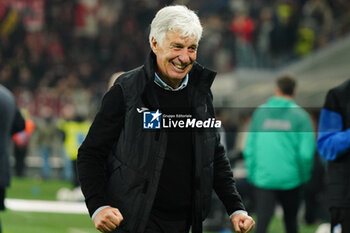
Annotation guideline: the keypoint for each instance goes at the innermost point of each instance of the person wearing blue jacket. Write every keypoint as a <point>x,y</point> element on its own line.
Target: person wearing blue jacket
<point>334,146</point>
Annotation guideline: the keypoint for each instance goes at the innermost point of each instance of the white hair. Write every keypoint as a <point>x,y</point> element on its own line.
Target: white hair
<point>173,18</point>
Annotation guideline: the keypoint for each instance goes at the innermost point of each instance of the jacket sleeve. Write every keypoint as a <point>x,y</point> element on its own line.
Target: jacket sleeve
<point>94,151</point>
<point>333,139</point>
<point>224,183</point>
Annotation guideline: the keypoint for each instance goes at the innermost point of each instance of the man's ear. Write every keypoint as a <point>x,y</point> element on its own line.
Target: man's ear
<point>154,45</point>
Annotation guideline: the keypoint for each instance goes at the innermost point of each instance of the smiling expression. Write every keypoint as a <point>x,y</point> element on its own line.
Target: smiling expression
<point>175,57</point>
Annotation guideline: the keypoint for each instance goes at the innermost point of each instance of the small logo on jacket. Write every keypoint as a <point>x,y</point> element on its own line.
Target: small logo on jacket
<point>152,120</point>
<point>142,109</point>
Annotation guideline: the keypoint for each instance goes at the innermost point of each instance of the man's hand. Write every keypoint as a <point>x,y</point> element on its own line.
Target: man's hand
<point>242,223</point>
<point>108,219</point>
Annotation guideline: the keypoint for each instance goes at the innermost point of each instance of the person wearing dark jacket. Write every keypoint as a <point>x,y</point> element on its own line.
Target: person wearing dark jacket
<point>11,122</point>
<point>139,175</point>
<point>334,146</point>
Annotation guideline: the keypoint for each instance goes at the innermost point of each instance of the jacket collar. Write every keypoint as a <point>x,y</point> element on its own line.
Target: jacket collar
<point>201,77</point>
<point>149,66</point>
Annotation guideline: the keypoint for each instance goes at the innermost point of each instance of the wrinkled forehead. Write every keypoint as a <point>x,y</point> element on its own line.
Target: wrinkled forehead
<point>179,35</point>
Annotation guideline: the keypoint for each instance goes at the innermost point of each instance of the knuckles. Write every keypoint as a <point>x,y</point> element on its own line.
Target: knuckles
<point>110,216</point>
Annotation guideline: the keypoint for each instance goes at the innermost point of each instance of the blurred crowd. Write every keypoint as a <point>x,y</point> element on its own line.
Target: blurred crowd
<point>58,55</point>
<point>60,51</point>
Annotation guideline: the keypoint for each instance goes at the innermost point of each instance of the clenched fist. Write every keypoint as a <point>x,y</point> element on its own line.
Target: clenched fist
<point>242,223</point>
<point>108,219</point>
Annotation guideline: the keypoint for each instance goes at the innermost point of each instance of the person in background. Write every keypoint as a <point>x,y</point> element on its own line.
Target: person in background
<point>45,138</point>
<point>243,27</point>
<point>11,121</point>
<point>333,145</point>
<point>21,140</point>
<point>74,128</point>
<point>158,181</point>
<point>279,155</point>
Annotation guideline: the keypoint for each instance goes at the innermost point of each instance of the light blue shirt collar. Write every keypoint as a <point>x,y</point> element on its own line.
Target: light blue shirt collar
<point>165,86</point>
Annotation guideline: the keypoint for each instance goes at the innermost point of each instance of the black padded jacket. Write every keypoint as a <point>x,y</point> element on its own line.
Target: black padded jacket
<point>119,163</point>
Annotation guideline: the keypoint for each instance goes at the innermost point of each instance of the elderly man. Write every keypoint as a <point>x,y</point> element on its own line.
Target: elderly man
<point>140,174</point>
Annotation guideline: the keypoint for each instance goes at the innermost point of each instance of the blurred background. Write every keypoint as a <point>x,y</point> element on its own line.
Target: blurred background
<point>57,57</point>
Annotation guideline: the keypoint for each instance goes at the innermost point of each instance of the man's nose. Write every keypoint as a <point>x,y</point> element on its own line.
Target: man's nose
<point>184,57</point>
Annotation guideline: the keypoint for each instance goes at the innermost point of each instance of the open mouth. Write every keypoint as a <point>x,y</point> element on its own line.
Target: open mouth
<point>182,67</point>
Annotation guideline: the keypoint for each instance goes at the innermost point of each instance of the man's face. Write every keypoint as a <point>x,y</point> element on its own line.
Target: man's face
<point>175,57</point>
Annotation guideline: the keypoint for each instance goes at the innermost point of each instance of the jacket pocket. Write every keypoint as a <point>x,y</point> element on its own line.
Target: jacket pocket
<point>124,191</point>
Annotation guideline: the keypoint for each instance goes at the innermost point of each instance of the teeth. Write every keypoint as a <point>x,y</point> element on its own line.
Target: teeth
<point>180,66</point>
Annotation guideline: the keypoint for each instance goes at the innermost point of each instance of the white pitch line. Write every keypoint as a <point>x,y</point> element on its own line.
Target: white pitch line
<point>46,206</point>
